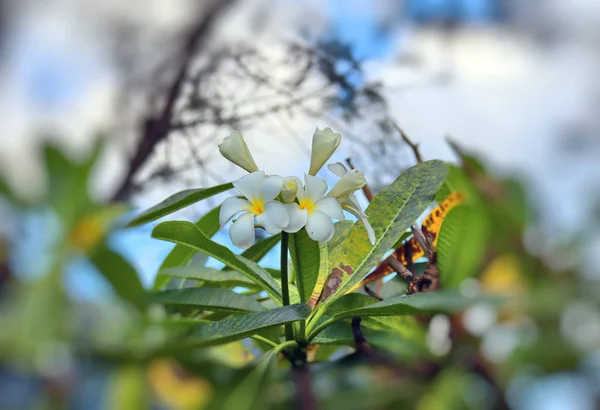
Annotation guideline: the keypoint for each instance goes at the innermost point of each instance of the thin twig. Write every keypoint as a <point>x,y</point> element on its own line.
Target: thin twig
<point>362,346</point>
<point>372,293</point>
<point>157,127</point>
<point>423,241</point>
<point>400,269</point>
<point>412,145</point>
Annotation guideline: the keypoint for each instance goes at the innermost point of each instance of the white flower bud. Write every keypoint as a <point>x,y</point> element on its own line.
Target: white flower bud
<point>289,189</point>
<point>351,182</point>
<point>324,144</point>
<point>234,148</point>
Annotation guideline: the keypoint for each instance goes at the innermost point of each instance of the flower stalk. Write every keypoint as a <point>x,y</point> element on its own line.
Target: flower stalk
<point>285,287</point>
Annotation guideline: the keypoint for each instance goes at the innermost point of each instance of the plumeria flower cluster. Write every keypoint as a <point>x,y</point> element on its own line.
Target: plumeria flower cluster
<point>279,204</point>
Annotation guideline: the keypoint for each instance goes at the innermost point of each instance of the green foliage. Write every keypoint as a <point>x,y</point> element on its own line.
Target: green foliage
<point>127,389</point>
<point>249,391</point>
<point>461,244</point>
<point>180,254</point>
<point>392,211</point>
<point>120,274</point>
<point>239,327</point>
<point>418,303</point>
<point>235,312</point>
<point>178,201</point>
<point>188,234</point>
<point>210,276</point>
<point>305,254</point>
<point>208,299</point>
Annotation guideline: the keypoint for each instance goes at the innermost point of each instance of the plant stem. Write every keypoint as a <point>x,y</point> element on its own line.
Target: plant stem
<point>283,345</point>
<point>312,321</point>
<point>265,340</point>
<point>314,332</point>
<point>285,289</point>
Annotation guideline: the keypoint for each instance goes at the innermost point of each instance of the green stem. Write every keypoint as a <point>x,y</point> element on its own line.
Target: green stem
<point>285,289</point>
<point>265,340</point>
<point>283,345</point>
<point>314,332</point>
<point>312,321</point>
<point>301,333</point>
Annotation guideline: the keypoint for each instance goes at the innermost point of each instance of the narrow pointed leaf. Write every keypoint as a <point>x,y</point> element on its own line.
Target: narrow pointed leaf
<point>249,392</point>
<point>209,275</point>
<point>120,274</point>
<point>321,277</point>
<point>306,256</point>
<point>392,211</point>
<point>178,201</point>
<point>239,327</point>
<point>461,245</point>
<point>208,299</point>
<point>258,251</point>
<point>188,234</point>
<point>180,255</point>
<point>419,303</point>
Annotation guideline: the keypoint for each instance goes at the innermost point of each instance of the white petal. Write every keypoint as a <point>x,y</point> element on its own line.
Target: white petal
<point>319,227</point>
<point>370,231</point>
<point>301,194</point>
<point>350,204</point>
<point>297,218</point>
<point>249,185</point>
<point>330,207</point>
<point>352,181</point>
<point>337,168</point>
<point>275,217</point>
<point>270,187</point>
<point>241,231</point>
<point>315,187</point>
<point>230,207</point>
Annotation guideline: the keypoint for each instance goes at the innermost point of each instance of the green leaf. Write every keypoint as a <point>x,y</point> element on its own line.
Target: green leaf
<point>67,186</point>
<point>239,327</point>
<point>340,334</point>
<point>209,275</point>
<point>306,256</point>
<point>120,274</point>
<point>180,254</point>
<point>188,234</point>
<point>208,299</point>
<point>461,244</point>
<point>392,211</point>
<point>249,392</point>
<point>258,251</point>
<point>418,303</point>
<point>178,201</point>
<point>127,388</point>
<point>341,231</point>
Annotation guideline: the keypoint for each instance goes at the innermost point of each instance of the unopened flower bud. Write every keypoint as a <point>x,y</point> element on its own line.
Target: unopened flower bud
<point>324,144</point>
<point>234,148</point>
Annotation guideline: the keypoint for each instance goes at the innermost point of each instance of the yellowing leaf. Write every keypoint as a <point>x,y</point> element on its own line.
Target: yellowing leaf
<point>177,390</point>
<point>411,248</point>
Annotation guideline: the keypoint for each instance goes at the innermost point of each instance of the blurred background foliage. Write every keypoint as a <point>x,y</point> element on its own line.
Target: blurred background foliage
<point>77,331</point>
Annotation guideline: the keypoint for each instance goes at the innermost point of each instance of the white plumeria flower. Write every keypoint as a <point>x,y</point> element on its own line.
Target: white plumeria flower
<point>234,148</point>
<point>260,191</point>
<point>314,210</point>
<point>289,189</point>
<point>350,181</point>
<point>324,144</point>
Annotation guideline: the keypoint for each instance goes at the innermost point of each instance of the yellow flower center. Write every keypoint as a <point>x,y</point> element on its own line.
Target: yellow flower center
<point>258,206</point>
<point>309,206</point>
